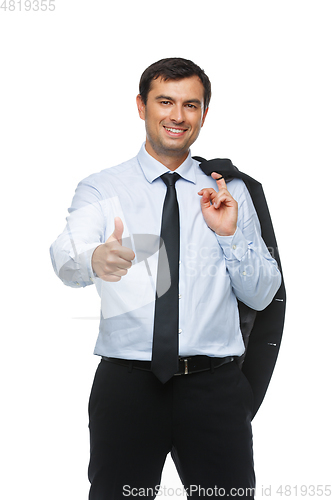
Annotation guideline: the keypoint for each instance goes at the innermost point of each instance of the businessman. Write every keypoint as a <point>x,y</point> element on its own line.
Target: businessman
<point>172,252</point>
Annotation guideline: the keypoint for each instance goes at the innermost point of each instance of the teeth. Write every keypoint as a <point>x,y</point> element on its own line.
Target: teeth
<point>175,130</point>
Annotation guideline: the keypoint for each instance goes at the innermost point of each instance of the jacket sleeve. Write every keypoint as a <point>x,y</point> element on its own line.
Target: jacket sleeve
<point>72,251</point>
<point>253,272</point>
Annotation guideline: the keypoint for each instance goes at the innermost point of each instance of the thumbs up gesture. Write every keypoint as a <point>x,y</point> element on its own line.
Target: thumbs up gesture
<point>111,260</point>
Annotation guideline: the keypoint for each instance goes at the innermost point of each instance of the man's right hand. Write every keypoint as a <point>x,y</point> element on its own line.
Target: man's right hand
<point>111,260</point>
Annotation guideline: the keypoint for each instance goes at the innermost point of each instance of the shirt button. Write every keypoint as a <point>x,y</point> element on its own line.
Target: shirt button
<point>180,330</point>
<point>244,273</point>
<point>234,247</point>
<point>179,296</point>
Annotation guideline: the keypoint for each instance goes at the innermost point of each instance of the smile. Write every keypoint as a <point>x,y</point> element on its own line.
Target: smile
<point>175,130</point>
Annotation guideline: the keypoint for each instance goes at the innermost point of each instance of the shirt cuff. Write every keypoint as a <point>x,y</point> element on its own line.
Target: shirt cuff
<point>84,260</point>
<point>235,246</point>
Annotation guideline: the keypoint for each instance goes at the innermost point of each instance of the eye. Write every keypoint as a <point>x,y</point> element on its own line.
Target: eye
<point>165,102</point>
<point>191,106</point>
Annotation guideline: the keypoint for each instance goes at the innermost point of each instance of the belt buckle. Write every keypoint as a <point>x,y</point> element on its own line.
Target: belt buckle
<point>186,372</point>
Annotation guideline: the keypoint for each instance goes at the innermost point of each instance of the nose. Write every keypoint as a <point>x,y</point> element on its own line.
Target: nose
<point>177,113</point>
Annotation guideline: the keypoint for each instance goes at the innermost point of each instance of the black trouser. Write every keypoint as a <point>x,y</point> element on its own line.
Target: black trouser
<point>203,419</point>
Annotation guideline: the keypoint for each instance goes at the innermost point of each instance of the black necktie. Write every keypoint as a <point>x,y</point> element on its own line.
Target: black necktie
<point>165,341</point>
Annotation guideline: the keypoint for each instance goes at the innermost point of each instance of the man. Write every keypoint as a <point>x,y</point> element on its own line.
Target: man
<point>170,339</point>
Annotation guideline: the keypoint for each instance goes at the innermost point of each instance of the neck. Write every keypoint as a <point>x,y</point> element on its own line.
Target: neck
<point>172,162</point>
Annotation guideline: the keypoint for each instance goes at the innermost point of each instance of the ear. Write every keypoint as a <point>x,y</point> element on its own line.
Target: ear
<point>141,107</point>
<point>204,117</point>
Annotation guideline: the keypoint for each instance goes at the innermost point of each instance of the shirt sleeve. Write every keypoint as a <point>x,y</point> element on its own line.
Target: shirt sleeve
<point>253,272</point>
<point>72,251</point>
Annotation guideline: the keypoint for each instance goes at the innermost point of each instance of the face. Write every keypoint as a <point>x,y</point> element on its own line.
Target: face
<point>174,114</point>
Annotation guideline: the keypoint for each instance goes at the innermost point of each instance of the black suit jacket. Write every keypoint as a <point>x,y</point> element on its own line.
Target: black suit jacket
<point>262,330</point>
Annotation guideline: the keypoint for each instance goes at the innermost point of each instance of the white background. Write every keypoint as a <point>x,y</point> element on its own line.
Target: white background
<point>68,84</point>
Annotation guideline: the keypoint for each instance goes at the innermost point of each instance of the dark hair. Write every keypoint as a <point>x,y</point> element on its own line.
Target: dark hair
<point>173,68</point>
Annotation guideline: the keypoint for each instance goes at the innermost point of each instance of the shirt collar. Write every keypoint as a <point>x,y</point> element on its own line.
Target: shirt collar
<point>153,169</point>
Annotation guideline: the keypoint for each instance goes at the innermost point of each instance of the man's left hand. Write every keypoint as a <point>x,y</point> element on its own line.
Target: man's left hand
<point>219,209</point>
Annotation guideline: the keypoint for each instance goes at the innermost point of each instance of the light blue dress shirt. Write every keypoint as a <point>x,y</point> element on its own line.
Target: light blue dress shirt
<point>214,270</point>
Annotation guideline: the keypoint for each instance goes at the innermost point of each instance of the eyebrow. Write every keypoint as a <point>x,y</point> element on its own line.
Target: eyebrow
<point>168,98</point>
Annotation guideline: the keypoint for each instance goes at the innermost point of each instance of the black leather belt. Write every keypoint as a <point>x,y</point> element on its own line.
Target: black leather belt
<point>192,364</point>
